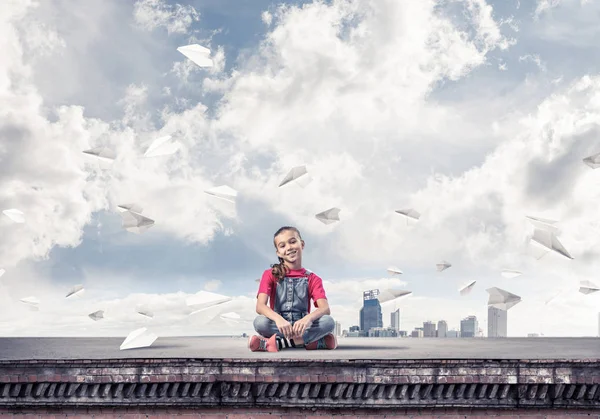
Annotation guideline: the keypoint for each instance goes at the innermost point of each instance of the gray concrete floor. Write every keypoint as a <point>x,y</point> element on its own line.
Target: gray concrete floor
<point>349,348</point>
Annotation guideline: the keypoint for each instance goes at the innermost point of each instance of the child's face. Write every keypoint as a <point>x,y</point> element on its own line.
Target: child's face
<point>289,246</point>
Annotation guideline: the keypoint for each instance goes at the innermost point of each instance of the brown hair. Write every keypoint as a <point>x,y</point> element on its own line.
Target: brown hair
<point>279,269</point>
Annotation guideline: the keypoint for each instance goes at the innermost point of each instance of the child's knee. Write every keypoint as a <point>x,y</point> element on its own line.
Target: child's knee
<point>327,323</point>
<point>261,323</point>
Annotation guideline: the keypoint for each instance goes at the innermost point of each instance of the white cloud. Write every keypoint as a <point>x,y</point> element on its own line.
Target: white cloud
<point>175,18</point>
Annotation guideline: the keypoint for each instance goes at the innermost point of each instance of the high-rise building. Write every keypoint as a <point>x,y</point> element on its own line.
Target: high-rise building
<point>497,322</point>
<point>338,329</point>
<point>442,329</point>
<point>395,319</point>
<point>428,329</point>
<point>469,327</point>
<point>370,313</point>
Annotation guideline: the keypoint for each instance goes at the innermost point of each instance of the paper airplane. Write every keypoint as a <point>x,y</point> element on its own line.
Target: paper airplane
<point>135,222</point>
<point>587,287</point>
<point>392,270</point>
<point>502,299</point>
<point>15,215</point>
<point>163,146</point>
<point>389,295</point>
<point>297,175</point>
<point>547,241</point>
<point>96,315</point>
<point>77,290</point>
<point>329,216</point>
<point>593,161</point>
<point>198,54</point>
<point>443,265</point>
<point>410,214</point>
<point>203,300</point>
<point>139,338</point>
<point>223,192</point>
<point>509,273</point>
<point>144,311</point>
<point>32,302</point>
<point>102,153</point>
<point>465,290</point>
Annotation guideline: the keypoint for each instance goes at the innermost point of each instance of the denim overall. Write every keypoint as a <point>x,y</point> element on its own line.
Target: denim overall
<point>291,303</point>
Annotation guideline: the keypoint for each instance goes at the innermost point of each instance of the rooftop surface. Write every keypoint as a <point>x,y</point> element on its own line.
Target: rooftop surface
<point>348,349</point>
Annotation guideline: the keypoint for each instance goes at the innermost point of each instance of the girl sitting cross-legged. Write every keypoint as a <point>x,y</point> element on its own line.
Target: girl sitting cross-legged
<point>289,288</point>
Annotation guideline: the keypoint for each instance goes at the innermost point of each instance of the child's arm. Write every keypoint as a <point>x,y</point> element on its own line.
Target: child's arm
<point>322,309</point>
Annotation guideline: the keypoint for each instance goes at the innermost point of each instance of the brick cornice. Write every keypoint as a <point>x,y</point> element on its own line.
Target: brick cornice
<point>300,382</point>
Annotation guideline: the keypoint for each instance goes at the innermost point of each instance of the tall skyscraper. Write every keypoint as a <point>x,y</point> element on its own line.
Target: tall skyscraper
<point>442,329</point>
<point>497,323</point>
<point>370,313</point>
<point>469,326</point>
<point>395,320</point>
<point>428,329</point>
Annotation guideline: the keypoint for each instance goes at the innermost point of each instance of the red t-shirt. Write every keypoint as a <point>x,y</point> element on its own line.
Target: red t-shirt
<point>268,285</point>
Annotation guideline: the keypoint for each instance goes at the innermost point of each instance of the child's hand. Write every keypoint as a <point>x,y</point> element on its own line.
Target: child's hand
<point>300,326</point>
<point>284,327</point>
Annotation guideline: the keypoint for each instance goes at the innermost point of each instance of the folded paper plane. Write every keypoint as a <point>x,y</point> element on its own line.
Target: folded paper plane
<point>298,175</point>
<point>198,54</point>
<point>411,215</point>
<point>96,315</point>
<point>593,161</point>
<point>102,153</point>
<point>163,146</point>
<point>443,265</point>
<point>15,215</point>
<point>502,299</point>
<point>144,311</point>
<point>509,273</point>
<point>223,192</point>
<point>135,222</point>
<point>587,287</point>
<point>466,289</point>
<point>139,338</point>
<point>32,302</point>
<point>203,300</point>
<point>329,216</point>
<point>76,291</point>
<point>392,270</point>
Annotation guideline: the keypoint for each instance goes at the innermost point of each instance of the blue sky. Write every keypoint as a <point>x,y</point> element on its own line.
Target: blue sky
<point>474,118</point>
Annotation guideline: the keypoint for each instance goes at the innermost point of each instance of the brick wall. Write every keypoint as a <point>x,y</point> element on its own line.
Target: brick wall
<point>277,413</point>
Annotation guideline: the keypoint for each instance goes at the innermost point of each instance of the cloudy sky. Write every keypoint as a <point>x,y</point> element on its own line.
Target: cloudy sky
<point>474,113</point>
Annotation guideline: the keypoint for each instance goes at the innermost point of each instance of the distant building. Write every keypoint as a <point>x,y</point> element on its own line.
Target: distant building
<point>452,333</point>
<point>469,327</point>
<point>395,319</point>
<point>338,329</point>
<point>442,329</point>
<point>417,333</point>
<point>428,329</point>
<point>497,323</point>
<point>383,332</point>
<point>354,328</point>
<point>370,313</point>
<point>533,335</point>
